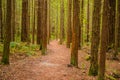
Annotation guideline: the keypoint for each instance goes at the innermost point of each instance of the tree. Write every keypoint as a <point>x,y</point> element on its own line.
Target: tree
<point>33,22</point>
<point>82,20</point>
<point>39,24</point>
<point>118,9</point>
<point>117,28</point>
<point>1,24</point>
<point>95,38</point>
<point>75,32</point>
<point>7,32</point>
<point>62,34</point>
<point>88,27</point>
<point>48,21</point>
<point>13,30</point>
<point>103,45</point>
<point>44,24</point>
<point>25,22</point>
<point>80,30</point>
<point>69,26</point>
<point>112,10</point>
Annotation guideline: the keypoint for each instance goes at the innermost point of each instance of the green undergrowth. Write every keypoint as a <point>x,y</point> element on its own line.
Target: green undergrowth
<point>110,77</point>
<point>87,57</point>
<point>20,47</point>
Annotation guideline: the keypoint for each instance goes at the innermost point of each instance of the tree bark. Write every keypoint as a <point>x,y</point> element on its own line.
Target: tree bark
<point>69,26</point>
<point>118,23</point>
<point>95,38</point>
<point>1,24</point>
<point>7,32</point>
<point>13,30</point>
<point>62,34</point>
<point>75,33</point>
<point>39,24</point>
<point>104,38</point>
<point>117,28</point>
<point>88,10</point>
<point>25,22</point>
<point>112,10</point>
<point>33,22</point>
<point>44,36</point>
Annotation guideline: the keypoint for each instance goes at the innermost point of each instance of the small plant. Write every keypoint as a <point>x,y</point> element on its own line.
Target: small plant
<point>110,77</point>
<point>1,48</point>
<point>83,66</point>
<point>87,58</point>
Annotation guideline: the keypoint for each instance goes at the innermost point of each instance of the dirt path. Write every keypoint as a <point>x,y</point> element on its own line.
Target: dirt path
<point>52,66</point>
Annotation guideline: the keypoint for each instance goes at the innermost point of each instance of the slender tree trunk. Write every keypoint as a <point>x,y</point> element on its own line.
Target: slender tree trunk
<point>33,23</point>
<point>25,22</point>
<point>103,47</point>
<point>88,20</point>
<point>80,32</point>
<point>39,24</point>
<point>62,22</point>
<point>69,26</point>
<point>82,18</point>
<point>7,32</point>
<point>112,10</point>
<point>75,32</point>
<point>118,6</point>
<point>95,38</point>
<point>44,36</point>
<point>48,21</point>
<point>117,28</point>
<point>13,30</point>
<point>1,24</point>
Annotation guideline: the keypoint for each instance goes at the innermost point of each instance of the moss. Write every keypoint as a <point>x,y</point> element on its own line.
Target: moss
<point>5,60</point>
<point>110,77</point>
<point>44,51</point>
<point>73,61</point>
<point>93,71</point>
<point>101,78</point>
<point>88,58</point>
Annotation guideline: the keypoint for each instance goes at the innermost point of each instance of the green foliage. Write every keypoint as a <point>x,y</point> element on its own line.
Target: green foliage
<point>1,48</point>
<point>83,66</point>
<point>87,58</point>
<point>28,49</point>
<point>110,77</point>
<point>30,53</point>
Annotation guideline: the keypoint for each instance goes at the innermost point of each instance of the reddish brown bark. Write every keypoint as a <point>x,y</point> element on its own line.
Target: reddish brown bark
<point>104,38</point>
<point>75,33</point>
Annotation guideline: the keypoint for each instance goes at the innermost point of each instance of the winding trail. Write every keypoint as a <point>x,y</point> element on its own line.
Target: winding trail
<point>52,66</point>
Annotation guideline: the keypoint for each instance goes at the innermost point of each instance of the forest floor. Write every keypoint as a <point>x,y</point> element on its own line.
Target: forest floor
<point>53,66</point>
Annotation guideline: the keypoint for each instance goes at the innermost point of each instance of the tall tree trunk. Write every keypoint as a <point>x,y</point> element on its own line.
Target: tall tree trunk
<point>48,21</point>
<point>88,10</point>
<point>117,28</point>
<point>39,24</point>
<point>95,38</point>
<point>112,10</point>
<point>62,34</point>
<point>13,30</point>
<point>82,23</point>
<point>57,23</point>
<point>25,22</point>
<point>75,32</point>
<point>44,36</point>
<point>69,26</point>
<point>103,46</point>
<point>1,24</point>
<point>33,23</point>
<point>118,6</point>
<point>7,32</point>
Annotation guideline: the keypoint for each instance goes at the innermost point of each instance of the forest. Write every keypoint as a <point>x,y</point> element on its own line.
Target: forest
<point>59,39</point>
